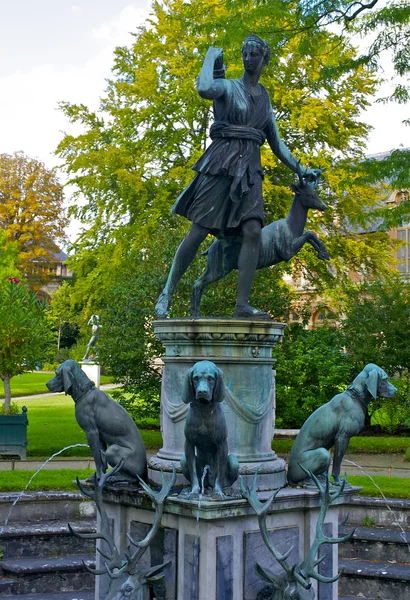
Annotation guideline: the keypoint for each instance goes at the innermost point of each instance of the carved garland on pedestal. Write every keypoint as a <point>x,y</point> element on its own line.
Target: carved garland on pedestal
<point>250,414</point>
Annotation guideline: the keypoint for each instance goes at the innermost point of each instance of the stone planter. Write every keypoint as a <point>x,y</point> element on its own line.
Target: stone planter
<point>13,434</point>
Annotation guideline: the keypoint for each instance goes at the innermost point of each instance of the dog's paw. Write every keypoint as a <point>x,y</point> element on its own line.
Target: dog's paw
<point>218,496</point>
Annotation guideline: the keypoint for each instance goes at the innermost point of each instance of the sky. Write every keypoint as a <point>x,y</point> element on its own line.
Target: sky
<point>59,50</point>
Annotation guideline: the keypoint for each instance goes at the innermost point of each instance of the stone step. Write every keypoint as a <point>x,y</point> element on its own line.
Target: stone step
<point>46,575</point>
<point>46,538</point>
<point>389,581</point>
<point>376,543</point>
<point>34,506</point>
<point>60,596</point>
<point>350,598</point>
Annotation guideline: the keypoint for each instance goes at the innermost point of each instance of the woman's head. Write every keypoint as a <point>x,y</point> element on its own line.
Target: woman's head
<point>254,41</point>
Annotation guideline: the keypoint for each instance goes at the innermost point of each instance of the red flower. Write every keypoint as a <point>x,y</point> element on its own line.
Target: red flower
<point>16,280</point>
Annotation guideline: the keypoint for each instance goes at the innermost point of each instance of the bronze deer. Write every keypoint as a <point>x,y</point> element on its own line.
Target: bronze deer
<point>280,241</point>
<point>129,580</point>
<point>294,583</point>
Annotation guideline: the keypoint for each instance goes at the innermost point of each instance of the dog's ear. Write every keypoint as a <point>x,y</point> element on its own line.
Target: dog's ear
<point>372,382</point>
<point>219,389</point>
<point>188,393</point>
<point>67,379</point>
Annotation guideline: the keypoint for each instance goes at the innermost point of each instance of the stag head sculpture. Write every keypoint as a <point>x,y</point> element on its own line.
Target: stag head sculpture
<point>294,583</point>
<point>129,580</point>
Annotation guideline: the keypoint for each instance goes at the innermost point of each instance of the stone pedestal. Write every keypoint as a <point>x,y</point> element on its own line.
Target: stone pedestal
<point>92,370</point>
<point>214,545</point>
<point>243,350</point>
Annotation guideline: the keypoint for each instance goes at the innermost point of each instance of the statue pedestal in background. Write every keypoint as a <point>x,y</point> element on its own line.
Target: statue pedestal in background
<point>93,371</point>
<point>243,350</point>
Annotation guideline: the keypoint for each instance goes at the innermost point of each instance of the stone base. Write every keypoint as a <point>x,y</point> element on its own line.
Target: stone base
<point>92,370</point>
<point>213,545</point>
<point>271,473</point>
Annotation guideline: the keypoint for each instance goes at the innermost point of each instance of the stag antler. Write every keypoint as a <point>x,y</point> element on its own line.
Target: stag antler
<point>158,499</point>
<point>114,558</point>
<point>327,497</point>
<point>261,510</point>
<point>128,563</point>
<point>306,570</point>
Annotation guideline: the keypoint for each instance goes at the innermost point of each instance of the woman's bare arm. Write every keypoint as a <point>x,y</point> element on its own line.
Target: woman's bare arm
<point>280,150</point>
<point>206,86</point>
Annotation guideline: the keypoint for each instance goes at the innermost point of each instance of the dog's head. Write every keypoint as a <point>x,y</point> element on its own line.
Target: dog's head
<point>204,383</point>
<point>375,380</point>
<point>71,379</point>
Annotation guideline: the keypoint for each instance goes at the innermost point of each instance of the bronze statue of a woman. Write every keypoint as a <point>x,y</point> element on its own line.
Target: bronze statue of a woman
<point>225,197</point>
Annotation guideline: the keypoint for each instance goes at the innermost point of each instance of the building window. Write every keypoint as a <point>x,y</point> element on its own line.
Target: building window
<point>403,254</point>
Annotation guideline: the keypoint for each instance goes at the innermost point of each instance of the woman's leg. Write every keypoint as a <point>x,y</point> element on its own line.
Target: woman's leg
<point>247,263</point>
<point>183,257</point>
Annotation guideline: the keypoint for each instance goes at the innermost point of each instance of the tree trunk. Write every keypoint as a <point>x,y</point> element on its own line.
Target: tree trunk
<point>7,393</point>
<point>59,335</point>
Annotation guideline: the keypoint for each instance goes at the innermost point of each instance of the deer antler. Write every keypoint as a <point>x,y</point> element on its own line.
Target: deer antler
<point>327,497</point>
<point>261,509</point>
<point>158,499</point>
<point>113,556</point>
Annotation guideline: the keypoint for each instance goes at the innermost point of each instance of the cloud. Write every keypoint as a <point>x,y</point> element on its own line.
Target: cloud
<point>29,116</point>
<point>30,119</point>
<point>77,9</point>
<point>117,30</point>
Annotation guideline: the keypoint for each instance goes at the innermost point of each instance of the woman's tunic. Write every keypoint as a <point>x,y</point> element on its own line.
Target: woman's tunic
<point>227,189</point>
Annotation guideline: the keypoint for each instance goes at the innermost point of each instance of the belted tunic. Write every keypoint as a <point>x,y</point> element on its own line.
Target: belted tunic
<point>227,189</point>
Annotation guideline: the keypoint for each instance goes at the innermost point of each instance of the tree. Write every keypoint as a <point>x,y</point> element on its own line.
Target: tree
<point>377,325</point>
<point>8,258</point>
<point>24,333</point>
<point>31,213</point>
<point>377,330</point>
<point>311,368</point>
<point>385,26</point>
<point>134,155</point>
<point>63,318</point>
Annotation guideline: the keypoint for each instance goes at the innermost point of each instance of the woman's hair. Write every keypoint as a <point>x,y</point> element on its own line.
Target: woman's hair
<point>263,46</point>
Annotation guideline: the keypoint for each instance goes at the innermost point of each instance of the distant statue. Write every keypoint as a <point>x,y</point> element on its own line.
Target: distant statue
<point>94,322</point>
<point>333,424</point>
<point>225,197</point>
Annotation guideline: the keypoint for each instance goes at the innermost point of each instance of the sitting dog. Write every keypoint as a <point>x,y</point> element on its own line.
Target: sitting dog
<point>334,423</point>
<point>111,433</point>
<point>205,432</point>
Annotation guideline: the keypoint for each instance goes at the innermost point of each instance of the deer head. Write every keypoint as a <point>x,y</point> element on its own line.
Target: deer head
<point>129,580</point>
<point>294,583</point>
<point>307,192</point>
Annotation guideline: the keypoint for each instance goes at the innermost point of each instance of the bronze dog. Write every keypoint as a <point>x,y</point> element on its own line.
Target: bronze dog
<point>111,433</point>
<point>205,431</point>
<point>334,423</point>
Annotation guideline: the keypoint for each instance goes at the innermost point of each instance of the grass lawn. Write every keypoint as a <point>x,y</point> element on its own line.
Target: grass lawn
<point>359,445</point>
<point>64,479</point>
<point>393,487</point>
<point>58,479</point>
<point>52,426</point>
<point>34,383</point>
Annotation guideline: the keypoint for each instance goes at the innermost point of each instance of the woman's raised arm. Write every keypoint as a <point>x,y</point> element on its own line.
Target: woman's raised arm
<point>206,86</point>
